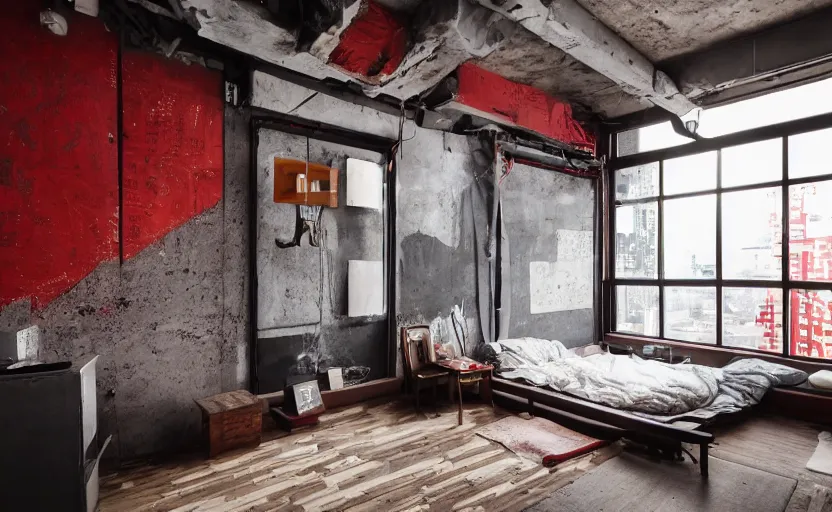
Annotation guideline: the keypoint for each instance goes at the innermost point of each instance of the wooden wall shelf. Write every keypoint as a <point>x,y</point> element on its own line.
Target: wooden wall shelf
<point>294,181</point>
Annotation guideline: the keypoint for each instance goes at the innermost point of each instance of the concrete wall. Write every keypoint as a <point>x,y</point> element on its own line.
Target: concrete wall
<point>442,192</point>
<point>437,256</point>
<point>545,212</point>
<point>436,265</point>
<point>169,317</point>
<point>170,324</point>
<point>302,316</point>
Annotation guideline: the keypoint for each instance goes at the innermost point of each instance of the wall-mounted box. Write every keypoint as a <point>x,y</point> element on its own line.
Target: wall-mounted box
<point>365,288</point>
<point>299,182</point>
<point>365,184</point>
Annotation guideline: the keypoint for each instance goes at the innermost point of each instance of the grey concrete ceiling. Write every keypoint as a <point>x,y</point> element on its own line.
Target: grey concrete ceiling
<point>662,29</point>
<point>527,59</point>
<point>658,29</point>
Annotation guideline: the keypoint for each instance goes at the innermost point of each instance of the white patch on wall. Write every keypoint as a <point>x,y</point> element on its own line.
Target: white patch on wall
<point>565,284</point>
<point>365,286</point>
<point>365,184</point>
<point>566,199</point>
<point>574,245</point>
<point>242,366</point>
<point>28,344</point>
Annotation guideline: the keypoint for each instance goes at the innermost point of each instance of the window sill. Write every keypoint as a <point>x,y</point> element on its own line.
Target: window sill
<point>711,355</point>
<point>802,402</point>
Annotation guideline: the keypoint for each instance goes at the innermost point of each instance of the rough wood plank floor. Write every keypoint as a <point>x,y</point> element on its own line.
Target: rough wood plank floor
<point>378,456</point>
<point>778,445</point>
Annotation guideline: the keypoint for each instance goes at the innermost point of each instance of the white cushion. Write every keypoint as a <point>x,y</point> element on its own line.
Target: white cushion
<point>821,379</point>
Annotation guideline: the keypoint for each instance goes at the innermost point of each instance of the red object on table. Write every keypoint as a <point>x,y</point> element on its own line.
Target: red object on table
<point>463,364</point>
<point>466,371</point>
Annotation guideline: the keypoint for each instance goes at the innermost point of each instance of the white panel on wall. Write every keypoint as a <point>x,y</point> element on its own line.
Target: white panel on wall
<point>365,184</point>
<point>365,288</point>
<point>565,284</point>
<point>560,286</point>
<point>28,344</point>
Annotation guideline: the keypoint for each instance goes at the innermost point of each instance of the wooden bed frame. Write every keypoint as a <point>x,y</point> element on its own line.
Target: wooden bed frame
<point>577,412</point>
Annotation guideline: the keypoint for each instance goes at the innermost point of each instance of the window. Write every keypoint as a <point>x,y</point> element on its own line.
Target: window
<point>690,237</point>
<point>804,101</point>
<point>638,309</point>
<point>728,245</point>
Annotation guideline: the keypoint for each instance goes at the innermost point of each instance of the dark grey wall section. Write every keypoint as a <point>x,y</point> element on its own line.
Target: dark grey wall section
<point>435,277</point>
<point>236,328</point>
<point>170,324</point>
<point>278,358</point>
<point>283,357</point>
<point>536,204</point>
<point>302,291</point>
<point>437,175</point>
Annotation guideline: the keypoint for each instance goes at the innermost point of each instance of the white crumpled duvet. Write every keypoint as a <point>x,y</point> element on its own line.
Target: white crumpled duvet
<point>651,388</point>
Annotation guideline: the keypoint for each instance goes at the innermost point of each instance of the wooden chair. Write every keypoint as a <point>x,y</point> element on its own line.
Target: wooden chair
<point>417,368</point>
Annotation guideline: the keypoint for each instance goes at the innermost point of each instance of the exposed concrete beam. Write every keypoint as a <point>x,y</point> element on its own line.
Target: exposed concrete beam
<point>449,33</point>
<point>272,93</point>
<point>774,58</point>
<point>248,28</point>
<point>568,26</point>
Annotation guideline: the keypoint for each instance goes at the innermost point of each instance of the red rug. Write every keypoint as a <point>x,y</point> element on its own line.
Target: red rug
<point>538,438</point>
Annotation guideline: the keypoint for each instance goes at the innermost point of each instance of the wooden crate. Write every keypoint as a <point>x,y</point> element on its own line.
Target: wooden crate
<point>230,421</point>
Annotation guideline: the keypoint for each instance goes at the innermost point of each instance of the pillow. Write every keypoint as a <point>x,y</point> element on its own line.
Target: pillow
<point>821,379</point>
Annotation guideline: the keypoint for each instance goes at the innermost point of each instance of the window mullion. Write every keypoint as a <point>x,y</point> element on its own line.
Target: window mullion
<point>660,248</point>
<point>719,309</point>
<point>612,260</point>
<point>784,252</point>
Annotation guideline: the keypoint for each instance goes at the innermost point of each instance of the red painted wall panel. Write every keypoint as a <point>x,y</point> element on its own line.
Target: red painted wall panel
<point>58,153</point>
<point>522,105</point>
<point>173,153</point>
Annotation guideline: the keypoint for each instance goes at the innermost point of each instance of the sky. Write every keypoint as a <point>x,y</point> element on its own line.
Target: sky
<point>690,224</point>
<point>796,103</point>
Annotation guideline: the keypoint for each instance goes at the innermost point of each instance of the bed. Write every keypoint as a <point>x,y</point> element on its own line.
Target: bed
<point>651,401</point>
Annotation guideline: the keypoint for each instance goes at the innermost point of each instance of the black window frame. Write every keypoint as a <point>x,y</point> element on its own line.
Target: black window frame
<point>780,131</point>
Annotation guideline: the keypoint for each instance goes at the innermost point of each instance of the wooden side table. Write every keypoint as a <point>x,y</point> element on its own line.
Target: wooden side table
<point>463,375</point>
<point>231,420</point>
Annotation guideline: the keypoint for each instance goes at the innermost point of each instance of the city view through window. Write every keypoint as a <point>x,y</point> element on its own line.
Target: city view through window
<point>675,203</point>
